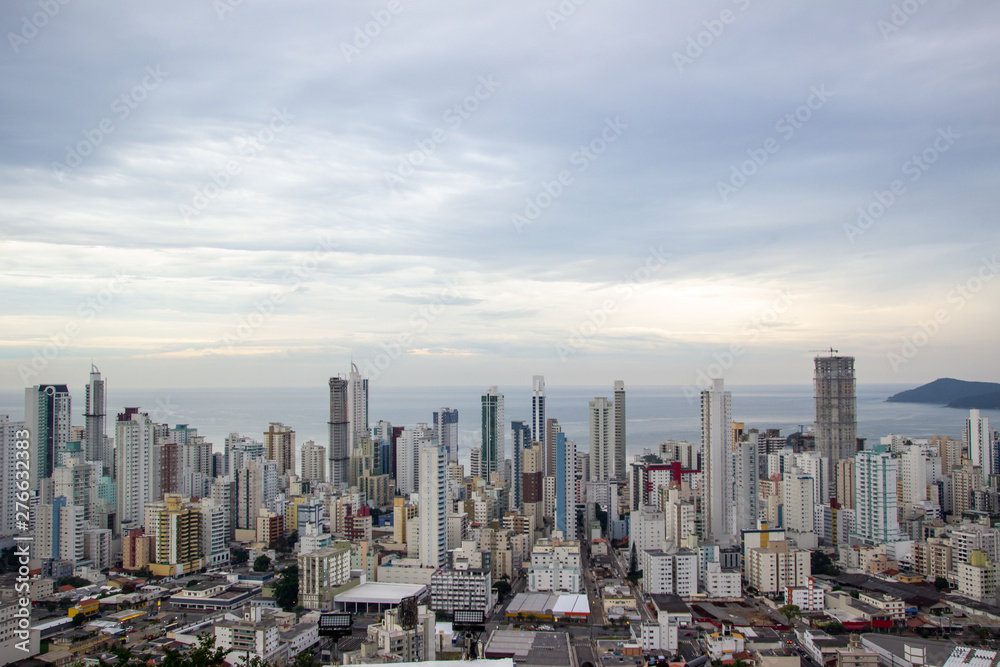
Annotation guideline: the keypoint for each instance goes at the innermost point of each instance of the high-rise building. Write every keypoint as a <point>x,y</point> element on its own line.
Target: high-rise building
<point>620,472</point>
<point>433,507</point>
<point>875,498</point>
<point>408,447</point>
<point>10,433</point>
<point>357,401</point>
<point>599,419</point>
<point>137,467</point>
<point>340,436</point>
<point>844,479</point>
<point>565,510</point>
<point>59,530</point>
<point>746,477</point>
<point>716,448</point>
<point>178,537</point>
<point>313,462</point>
<point>836,408</point>
<point>476,463</point>
<point>981,445</point>
<point>256,489</point>
<point>97,447</point>
<point>551,428</point>
<point>446,430</point>
<point>520,435</point>
<point>494,439</point>
<point>538,408</point>
<point>47,417</point>
<point>279,446</point>
<point>240,448</point>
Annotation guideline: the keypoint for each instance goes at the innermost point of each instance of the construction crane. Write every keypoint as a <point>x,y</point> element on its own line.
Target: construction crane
<point>831,351</point>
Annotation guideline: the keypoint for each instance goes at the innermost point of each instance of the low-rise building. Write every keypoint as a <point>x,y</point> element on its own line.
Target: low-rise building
<point>555,566</point>
<point>252,637</point>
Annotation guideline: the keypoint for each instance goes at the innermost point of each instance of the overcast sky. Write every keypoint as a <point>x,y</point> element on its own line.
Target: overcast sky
<point>226,192</point>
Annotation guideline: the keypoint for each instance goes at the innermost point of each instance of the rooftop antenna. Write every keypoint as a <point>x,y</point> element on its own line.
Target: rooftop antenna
<point>831,351</point>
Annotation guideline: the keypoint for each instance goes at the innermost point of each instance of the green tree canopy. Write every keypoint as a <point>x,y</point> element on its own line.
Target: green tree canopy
<point>262,564</point>
<point>286,591</point>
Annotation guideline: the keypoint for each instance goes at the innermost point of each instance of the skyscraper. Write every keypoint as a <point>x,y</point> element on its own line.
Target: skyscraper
<point>520,439</point>
<point>599,420</point>
<point>717,448</point>
<point>619,473</point>
<point>433,507</point>
<point>494,439</point>
<point>446,429</point>
<point>357,400</point>
<point>836,408</point>
<point>313,462</point>
<point>875,497</point>
<point>97,448</point>
<point>565,511</point>
<point>980,443</point>
<point>47,418</point>
<point>10,433</point>
<point>340,438</point>
<point>279,446</point>
<point>137,467</point>
<point>538,408</point>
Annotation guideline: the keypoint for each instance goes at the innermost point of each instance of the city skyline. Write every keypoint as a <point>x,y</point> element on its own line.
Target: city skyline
<point>706,192</point>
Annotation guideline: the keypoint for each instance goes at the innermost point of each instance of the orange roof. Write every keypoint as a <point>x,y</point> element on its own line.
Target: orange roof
<point>66,589</point>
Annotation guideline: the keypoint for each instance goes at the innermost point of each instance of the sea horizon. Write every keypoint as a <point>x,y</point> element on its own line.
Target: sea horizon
<point>654,413</point>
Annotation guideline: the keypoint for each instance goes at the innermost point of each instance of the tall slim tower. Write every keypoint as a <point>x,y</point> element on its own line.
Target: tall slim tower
<point>357,397</point>
<point>279,446</point>
<point>875,498</point>
<point>520,436</point>
<point>340,437</point>
<point>565,511</point>
<point>836,408</point>
<point>94,422</point>
<point>494,444</point>
<point>599,419</point>
<point>137,467</point>
<point>717,460</point>
<point>446,428</point>
<point>538,408</point>
<point>620,473</point>
<point>433,507</point>
<point>47,413</point>
<point>980,443</point>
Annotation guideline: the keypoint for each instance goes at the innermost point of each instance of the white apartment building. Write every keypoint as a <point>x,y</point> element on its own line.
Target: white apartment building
<point>648,529</point>
<point>664,572</point>
<point>778,566</point>
<point>721,583</point>
<point>977,579</point>
<point>407,645</point>
<point>462,588</point>
<point>252,637</point>
<point>321,572</point>
<point>97,547</point>
<point>807,598</point>
<point>555,566</point>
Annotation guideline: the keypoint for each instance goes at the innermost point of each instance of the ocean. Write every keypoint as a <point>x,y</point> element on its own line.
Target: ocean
<point>654,413</point>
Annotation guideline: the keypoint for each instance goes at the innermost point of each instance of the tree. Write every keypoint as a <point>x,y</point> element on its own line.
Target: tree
<point>822,564</point>
<point>305,659</point>
<point>503,590</point>
<point>240,556</point>
<point>286,591</point>
<point>791,612</point>
<point>940,583</point>
<point>262,563</point>
<point>835,628</point>
<point>205,654</point>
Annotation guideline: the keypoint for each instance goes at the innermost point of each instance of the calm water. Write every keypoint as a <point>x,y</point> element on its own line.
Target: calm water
<point>654,414</point>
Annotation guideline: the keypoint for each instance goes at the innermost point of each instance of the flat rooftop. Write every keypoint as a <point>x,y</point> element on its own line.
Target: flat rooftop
<point>382,593</point>
<point>529,649</point>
